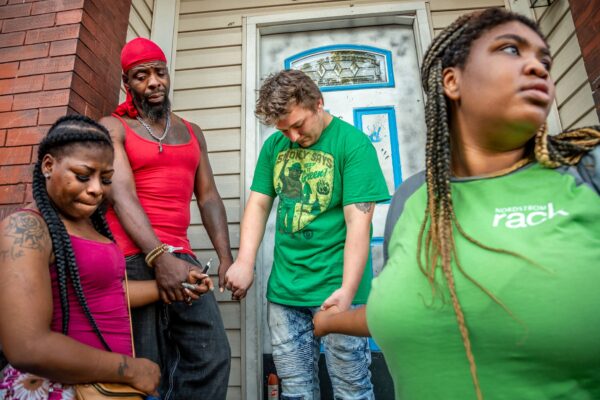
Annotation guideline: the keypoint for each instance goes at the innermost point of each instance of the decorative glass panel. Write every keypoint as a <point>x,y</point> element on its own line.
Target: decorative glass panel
<point>379,124</point>
<point>343,67</point>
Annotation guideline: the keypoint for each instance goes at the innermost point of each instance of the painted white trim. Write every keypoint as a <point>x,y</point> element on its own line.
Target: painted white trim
<point>522,7</point>
<point>252,29</point>
<point>165,22</point>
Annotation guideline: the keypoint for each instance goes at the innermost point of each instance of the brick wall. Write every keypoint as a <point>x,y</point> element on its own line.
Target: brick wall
<point>56,57</point>
<point>586,15</point>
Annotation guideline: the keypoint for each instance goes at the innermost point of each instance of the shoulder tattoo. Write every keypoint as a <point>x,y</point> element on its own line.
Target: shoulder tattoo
<point>27,232</point>
<point>364,207</point>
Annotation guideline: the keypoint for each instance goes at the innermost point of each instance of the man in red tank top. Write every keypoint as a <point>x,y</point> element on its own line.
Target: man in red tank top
<point>160,162</point>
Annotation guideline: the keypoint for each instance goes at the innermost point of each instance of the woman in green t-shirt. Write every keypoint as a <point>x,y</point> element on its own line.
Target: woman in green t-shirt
<point>495,248</point>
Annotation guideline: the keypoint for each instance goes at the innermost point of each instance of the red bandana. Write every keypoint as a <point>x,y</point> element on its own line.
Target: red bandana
<point>136,52</point>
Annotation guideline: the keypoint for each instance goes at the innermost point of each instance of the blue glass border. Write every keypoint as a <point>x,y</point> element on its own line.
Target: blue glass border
<point>393,129</point>
<point>386,53</point>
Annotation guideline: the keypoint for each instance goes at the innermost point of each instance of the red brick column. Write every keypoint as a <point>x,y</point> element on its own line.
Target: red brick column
<point>586,14</point>
<point>56,57</point>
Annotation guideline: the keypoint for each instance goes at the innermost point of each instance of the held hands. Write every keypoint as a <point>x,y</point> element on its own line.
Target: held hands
<point>144,374</point>
<point>170,272</point>
<point>321,319</point>
<point>238,279</point>
<point>341,298</point>
<point>196,285</point>
<point>224,266</point>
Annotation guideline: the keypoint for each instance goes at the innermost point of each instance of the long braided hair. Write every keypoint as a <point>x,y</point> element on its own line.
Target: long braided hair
<point>63,135</point>
<point>436,246</point>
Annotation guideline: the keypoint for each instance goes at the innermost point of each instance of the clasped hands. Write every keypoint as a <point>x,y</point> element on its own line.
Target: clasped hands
<point>172,272</point>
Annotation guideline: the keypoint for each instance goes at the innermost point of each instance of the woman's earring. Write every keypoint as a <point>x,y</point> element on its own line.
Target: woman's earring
<point>47,175</point>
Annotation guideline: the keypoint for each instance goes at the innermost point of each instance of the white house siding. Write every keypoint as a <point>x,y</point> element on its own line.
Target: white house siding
<point>208,91</point>
<point>140,25</point>
<point>140,19</point>
<point>573,90</point>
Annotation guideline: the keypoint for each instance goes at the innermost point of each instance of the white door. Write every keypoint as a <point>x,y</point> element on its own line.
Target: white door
<point>369,77</point>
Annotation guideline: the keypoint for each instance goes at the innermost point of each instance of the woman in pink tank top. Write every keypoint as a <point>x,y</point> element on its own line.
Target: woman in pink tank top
<point>63,308</point>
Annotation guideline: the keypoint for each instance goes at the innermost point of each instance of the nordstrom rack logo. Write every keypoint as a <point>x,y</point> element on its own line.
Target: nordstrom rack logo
<point>525,216</point>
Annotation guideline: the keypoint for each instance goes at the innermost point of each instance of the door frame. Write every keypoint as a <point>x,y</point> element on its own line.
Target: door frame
<point>253,28</point>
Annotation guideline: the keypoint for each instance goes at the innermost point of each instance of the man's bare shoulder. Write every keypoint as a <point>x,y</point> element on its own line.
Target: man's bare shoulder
<point>115,127</point>
<point>195,128</point>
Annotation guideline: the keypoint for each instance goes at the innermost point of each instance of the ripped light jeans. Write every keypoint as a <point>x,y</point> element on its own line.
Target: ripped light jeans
<point>296,357</point>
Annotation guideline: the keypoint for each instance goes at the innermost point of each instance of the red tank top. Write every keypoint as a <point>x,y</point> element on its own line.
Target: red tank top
<point>164,184</point>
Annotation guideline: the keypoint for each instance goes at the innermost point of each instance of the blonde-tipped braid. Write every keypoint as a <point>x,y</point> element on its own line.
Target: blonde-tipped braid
<point>566,148</point>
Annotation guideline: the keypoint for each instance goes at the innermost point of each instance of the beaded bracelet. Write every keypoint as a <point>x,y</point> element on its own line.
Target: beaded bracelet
<point>158,251</point>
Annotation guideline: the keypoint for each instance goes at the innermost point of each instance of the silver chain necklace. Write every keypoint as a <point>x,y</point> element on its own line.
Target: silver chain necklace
<point>159,138</point>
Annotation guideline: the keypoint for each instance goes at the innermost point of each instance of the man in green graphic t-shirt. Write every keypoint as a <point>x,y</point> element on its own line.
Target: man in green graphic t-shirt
<point>327,178</point>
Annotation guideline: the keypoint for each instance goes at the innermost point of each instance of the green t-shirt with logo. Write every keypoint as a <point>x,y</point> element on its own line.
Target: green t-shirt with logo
<point>550,347</point>
<point>313,185</point>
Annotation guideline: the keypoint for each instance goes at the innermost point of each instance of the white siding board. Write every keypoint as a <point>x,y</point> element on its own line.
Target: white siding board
<point>564,30</point>
<point>143,12</point>
<point>577,106</point>
<point>565,58</point>
<point>234,393</point>
<point>198,18</point>
<point>131,34</point>
<point>441,19</point>
<point>216,20</point>
<point>553,16</point>
<point>224,96</point>
<point>539,12</point>
<point>208,77</point>
<point>232,209</point>
<point>214,57</point>
<point>450,5</point>
<point>193,6</point>
<point>234,336</point>
<point>230,312</point>
<point>137,24</point>
<point>216,118</point>
<point>571,81</point>
<point>200,240</point>
<point>228,185</point>
<point>225,162</point>
<point>223,139</point>
<point>233,18</point>
<point>205,255</point>
<point>235,376</point>
<point>591,118</point>
<point>212,38</point>
<point>205,6</point>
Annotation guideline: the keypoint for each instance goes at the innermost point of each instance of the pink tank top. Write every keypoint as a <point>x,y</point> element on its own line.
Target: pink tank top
<point>164,184</point>
<point>101,270</point>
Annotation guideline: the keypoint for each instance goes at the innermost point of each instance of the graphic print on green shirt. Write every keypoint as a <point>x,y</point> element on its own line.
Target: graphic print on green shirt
<point>550,348</point>
<point>303,180</point>
<point>313,185</point>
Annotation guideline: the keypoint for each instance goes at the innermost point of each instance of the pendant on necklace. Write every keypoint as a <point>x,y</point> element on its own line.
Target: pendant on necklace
<point>160,147</point>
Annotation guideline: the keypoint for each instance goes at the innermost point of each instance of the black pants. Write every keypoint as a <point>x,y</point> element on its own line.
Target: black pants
<point>188,342</point>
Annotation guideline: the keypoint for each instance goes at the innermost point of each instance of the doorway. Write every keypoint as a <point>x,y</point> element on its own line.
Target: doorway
<point>366,62</point>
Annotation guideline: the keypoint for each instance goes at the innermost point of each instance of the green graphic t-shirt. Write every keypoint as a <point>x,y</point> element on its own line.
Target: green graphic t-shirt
<point>313,185</point>
<point>550,347</point>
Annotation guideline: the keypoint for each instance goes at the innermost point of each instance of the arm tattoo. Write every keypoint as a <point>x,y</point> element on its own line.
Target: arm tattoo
<point>122,367</point>
<point>364,207</point>
<point>28,232</point>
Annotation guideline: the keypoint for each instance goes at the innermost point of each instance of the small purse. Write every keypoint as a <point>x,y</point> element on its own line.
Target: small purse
<point>106,391</point>
<point>102,391</point>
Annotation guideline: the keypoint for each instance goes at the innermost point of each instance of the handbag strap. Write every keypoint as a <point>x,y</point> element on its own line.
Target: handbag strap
<point>129,314</point>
